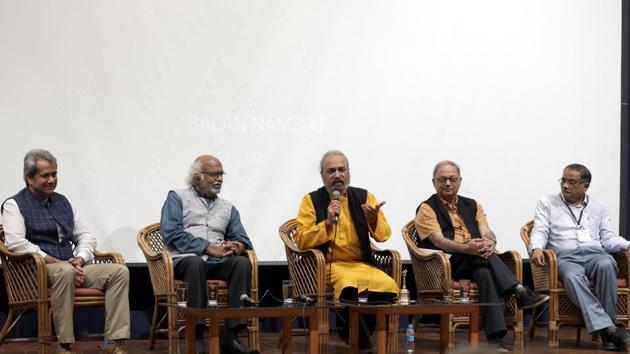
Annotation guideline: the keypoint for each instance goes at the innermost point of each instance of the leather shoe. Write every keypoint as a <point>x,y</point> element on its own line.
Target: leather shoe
<point>235,347</point>
<point>619,338</point>
<point>528,299</point>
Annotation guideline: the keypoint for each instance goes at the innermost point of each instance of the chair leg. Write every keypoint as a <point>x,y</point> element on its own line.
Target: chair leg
<point>44,328</point>
<point>173,335</point>
<point>153,330</point>
<point>6,326</point>
<point>554,342</point>
<point>254,330</point>
<point>324,330</point>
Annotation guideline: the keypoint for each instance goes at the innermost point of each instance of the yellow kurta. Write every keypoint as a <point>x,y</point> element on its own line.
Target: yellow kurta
<point>345,251</point>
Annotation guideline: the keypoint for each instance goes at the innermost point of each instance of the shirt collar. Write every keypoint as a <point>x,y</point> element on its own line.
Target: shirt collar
<point>450,206</point>
<point>584,202</point>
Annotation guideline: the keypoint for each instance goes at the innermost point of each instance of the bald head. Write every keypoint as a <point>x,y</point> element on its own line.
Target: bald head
<point>206,176</point>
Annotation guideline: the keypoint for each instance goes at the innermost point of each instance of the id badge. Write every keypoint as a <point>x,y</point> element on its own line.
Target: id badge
<point>584,235</point>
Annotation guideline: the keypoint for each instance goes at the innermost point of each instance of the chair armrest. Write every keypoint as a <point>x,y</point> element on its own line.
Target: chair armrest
<point>623,260</point>
<point>25,276</point>
<point>108,257</point>
<point>514,262</point>
<point>389,261</point>
<point>253,260</point>
<point>161,272</point>
<point>432,272</point>
<point>307,269</point>
<point>546,277</point>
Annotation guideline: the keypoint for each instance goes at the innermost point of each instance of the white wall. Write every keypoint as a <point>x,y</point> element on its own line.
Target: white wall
<point>127,94</point>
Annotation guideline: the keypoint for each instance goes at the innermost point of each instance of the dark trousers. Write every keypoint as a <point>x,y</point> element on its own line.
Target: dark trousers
<point>494,280</point>
<point>236,270</point>
<point>366,322</point>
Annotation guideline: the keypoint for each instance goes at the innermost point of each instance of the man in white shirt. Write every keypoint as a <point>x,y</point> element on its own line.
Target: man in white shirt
<point>576,227</point>
<point>38,220</point>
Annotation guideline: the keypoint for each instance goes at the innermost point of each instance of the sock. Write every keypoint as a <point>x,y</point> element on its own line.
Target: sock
<point>107,343</point>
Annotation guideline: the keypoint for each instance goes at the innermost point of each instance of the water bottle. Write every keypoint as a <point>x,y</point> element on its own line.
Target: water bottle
<point>410,347</point>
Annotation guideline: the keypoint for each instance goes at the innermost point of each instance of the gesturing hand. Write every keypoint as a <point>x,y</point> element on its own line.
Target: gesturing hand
<point>371,213</point>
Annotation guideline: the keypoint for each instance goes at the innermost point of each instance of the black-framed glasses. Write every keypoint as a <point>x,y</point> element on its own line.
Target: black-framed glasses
<point>452,179</point>
<point>570,182</point>
<point>214,175</point>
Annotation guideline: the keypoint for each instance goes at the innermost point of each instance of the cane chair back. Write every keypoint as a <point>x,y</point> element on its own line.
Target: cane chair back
<point>308,271</point>
<point>432,273</point>
<point>562,312</point>
<point>26,281</point>
<point>161,271</point>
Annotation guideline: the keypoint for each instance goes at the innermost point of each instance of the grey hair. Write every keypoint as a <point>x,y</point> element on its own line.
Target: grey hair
<point>194,173</point>
<point>331,153</point>
<point>30,162</point>
<point>446,163</point>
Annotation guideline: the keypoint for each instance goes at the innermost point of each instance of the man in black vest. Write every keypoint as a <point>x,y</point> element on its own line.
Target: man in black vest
<point>458,225</point>
<point>340,220</point>
<point>38,220</point>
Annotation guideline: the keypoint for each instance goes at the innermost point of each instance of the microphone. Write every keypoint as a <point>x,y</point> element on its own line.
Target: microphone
<point>248,301</point>
<point>335,196</point>
<point>305,299</point>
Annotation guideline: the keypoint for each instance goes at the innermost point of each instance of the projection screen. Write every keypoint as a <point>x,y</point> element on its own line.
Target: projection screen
<point>127,94</point>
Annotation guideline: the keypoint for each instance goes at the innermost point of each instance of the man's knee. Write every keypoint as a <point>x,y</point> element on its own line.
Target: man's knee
<point>243,263</point>
<point>121,272</point>
<point>606,265</point>
<point>63,273</point>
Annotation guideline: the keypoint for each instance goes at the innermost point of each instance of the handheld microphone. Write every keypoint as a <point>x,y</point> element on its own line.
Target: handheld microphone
<point>248,301</point>
<point>335,196</point>
<point>305,299</point>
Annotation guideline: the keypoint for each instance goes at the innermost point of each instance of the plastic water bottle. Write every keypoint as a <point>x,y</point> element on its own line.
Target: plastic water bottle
<point>410,347</point>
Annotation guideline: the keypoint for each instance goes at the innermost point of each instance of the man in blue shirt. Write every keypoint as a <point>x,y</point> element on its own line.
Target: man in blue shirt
<point>576,227</point>
<point>205,235</point>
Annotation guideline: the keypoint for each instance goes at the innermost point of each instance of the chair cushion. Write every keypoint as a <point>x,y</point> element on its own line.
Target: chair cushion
<point>621,283</point>
<point>219,283</point>
<point>463,282</point>
<point>81,292</point>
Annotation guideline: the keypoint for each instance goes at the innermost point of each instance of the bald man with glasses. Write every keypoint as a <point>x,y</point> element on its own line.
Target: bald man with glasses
<point>577,228</point>
<point>458,226</point>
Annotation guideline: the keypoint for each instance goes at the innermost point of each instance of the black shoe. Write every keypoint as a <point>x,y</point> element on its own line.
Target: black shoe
<point>528,299</point>
<point>619,338</point>
<point>235,347</point>
<point>497,345</point>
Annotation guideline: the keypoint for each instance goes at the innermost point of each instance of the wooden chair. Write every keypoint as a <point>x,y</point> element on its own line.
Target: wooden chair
<point>432,272</point>
<point>162,274</point>
<point>308,271</point>
<point>562,312</point>
<point>26,281</point>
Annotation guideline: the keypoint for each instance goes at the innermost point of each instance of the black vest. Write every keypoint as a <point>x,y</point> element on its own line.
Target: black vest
<point>356,197</point>
<point>466,207</point>
<point>41,217</point>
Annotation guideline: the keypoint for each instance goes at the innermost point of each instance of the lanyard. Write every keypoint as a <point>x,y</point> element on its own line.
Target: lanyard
<point>577,221</point>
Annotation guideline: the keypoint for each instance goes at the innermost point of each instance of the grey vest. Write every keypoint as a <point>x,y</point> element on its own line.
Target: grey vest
<point>201,220</point>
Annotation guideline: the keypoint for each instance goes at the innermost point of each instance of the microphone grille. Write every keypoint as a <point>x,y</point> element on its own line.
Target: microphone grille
<point>336,195</point>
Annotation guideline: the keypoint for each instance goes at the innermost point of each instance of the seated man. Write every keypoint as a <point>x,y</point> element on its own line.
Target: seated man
<point>342,228</point>
<point>205,235</point>
<point>576,227</point>
<point>38,220</point>
<point>458,225</point>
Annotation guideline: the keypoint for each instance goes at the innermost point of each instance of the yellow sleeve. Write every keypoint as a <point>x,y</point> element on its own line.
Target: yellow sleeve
<point>481,216</point>
<point>383,231</point>
<point>426,222</point>
<point>309,234</point>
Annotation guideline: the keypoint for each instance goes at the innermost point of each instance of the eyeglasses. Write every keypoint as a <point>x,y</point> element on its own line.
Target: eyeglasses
<point>214,175</point>
<point>443,180</point>
<point>570,182</point>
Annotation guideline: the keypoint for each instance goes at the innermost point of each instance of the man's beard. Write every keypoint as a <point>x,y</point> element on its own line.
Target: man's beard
<point>335,187</point>
<point>206,189</point>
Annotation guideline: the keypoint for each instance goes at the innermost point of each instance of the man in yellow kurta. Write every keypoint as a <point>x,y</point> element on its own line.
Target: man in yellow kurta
<point>342,229</point>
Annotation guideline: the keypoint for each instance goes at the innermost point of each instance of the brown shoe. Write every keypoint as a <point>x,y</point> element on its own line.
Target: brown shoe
<point>72,350</point>
<point>116,348</point>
